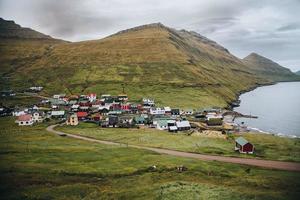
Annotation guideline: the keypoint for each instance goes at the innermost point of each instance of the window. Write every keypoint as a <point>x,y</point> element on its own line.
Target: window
<point>21,122</point>
<point>26,122</point>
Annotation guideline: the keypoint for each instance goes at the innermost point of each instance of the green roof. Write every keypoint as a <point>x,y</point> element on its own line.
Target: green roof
<point>162,123</point>
<point>139,118</point>
<point>241,141</point>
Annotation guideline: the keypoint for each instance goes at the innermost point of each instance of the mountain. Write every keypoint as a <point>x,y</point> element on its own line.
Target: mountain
<point>20,47</point>
<point>298,72</point>
<point>267,68</point>
<point>176,67</point>
<point>9,29</point>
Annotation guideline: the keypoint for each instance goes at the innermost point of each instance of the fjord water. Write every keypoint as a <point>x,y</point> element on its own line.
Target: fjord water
<point>277,107</point>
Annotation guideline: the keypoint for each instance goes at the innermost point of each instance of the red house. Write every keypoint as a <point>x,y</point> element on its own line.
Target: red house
<point>125,107</point>
<point>82,115</point>
<point>243,146</point>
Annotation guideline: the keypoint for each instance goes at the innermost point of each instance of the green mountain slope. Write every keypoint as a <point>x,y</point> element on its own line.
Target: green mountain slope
<point>178,68</point>
<point>298,72</point>
<point>267,68</point>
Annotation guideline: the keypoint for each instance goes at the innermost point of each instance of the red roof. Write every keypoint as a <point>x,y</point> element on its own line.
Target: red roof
<point>26,117</point>
<point>92,94</point>
<point>82,114</point>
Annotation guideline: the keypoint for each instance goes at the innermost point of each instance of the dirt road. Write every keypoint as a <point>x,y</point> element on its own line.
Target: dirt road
<point>289,166</point>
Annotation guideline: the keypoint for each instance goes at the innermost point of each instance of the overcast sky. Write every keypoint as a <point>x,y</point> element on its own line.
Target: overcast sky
<point>268,27</point>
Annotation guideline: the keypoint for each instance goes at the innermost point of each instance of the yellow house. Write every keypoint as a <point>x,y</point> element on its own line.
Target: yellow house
<point>72,120</point>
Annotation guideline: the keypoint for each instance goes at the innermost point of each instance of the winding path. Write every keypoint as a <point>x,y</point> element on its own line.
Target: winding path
<point>289,166</point>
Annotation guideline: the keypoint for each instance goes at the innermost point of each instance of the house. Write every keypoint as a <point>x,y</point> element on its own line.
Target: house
<point>175,112</point>
<point>104,109</point>
<point>183,125</point>
<point>72,120</point>
<point>115,112</point>
<point>113,121</point>
<point>148,103</point>
<point>167,110</point>
<point>57,101</point>
<point>200,117</point>
<point>59,96</point>
<point>134,108</point>
<point>58,113</point>
<point>82,115</point>
<point>92,97</point>
<point>157,111</point>
<point>24,120</point>
<point>162,124</point>
<point>243,146</point>
<point>19,113</point>
<point>75,107</point>
<point>140,120</point>
<point>126,121</point>
<point>188,112</point>
<point>122,97</point>
<point>125,107</point>
<point>96,117</point>
<point>38,117</point>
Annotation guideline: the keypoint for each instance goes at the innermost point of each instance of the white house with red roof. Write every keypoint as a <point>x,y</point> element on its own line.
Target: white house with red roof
<point>92,97</point>
<point>24,120</point>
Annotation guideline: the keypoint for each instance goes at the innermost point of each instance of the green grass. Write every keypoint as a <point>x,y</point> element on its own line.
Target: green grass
<point>35,164</point>
<point>266,146</point>
<point>19,100</point>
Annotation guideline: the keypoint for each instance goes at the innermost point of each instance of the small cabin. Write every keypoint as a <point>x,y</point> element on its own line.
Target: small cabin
<point>243,146</point>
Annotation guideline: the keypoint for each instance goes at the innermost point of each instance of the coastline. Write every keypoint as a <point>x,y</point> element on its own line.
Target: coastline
<point>255,129</point>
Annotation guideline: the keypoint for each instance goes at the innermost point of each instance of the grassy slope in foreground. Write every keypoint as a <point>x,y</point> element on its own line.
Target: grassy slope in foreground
<point>35,164</point>
<point>266,146</point>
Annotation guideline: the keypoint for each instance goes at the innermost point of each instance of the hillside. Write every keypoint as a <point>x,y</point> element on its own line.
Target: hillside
<point>298,72</point>
<point>9,29</point>
<point>176,67</point>
<point>20,47</point>
<point>267,68</point>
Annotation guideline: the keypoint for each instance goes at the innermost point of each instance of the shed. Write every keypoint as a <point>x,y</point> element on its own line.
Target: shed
<point>243,146</point>
<point>173,129</point>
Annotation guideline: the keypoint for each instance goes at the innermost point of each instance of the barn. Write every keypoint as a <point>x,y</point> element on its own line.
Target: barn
<point>243,146</point>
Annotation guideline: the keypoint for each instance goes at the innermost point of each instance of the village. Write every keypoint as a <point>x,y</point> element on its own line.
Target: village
<point>109,111</point>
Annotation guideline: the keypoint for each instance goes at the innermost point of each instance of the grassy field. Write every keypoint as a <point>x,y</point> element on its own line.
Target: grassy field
<point>35,164</point>
<point>266,146</point>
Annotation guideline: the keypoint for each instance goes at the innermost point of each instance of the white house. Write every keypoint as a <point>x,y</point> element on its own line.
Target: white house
<point>19,113</point>
<point>37,117</point>
<point>59,96</point>
<point>24,120</point>
<point>183,125</point>
<point>57,113</point>
<point>148,103</point>
<point>92,97</point>
<point>157,111</point>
